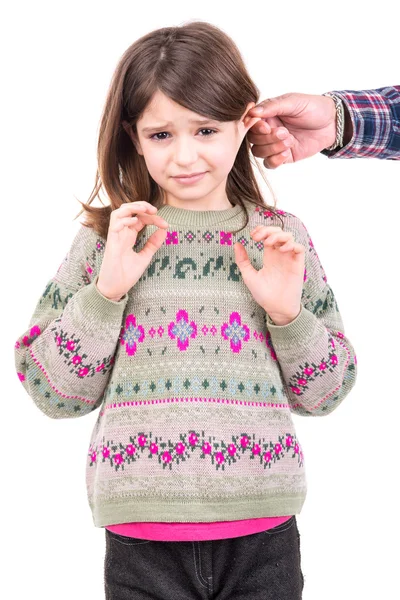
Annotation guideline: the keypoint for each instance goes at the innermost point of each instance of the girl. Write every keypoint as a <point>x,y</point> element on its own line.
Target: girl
<point>197,319</point>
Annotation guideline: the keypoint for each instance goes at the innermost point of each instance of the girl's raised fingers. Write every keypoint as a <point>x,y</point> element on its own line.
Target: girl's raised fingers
<point>292,246</point>
<point>139,223</point>
<point>146,217</point>
<point>288,246</point>
<point>265,229</point>
<point>119,224</point>
<point>299,248</point>
<point>129,208</point>
<point>278,238</point>
<point>129,220</point>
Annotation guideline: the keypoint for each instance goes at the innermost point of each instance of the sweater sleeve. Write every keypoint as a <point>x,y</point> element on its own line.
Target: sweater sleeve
<point>65,357</point>
<point>317,361</point>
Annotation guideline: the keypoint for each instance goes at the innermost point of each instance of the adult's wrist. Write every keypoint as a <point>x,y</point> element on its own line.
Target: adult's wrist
<point>339,122</point>
<point>332,127</point>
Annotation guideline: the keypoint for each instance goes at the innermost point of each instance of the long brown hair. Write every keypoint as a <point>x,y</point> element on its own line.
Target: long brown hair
<point>196,65</point>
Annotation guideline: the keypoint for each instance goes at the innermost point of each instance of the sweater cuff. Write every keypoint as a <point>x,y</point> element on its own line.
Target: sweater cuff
<point>298,331</point>
<point>93,303</point>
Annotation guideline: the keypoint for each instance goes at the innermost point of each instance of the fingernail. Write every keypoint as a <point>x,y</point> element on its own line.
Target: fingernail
<point>281,134</point>
<point>257,109</point>
<point>286,153</point>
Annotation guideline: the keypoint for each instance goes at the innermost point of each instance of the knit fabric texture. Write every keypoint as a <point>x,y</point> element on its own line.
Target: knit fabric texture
<point>196,387</point>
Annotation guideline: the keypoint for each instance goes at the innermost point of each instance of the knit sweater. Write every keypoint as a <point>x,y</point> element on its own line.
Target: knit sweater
<point>196,387</point>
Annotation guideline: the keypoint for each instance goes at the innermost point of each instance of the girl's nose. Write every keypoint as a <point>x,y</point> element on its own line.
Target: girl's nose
<point>185,151</point>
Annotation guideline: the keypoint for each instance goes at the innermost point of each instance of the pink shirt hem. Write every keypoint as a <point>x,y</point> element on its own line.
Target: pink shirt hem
<point>188,532</point>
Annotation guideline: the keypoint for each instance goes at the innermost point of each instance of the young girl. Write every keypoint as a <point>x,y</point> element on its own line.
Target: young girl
<point>198,319</point>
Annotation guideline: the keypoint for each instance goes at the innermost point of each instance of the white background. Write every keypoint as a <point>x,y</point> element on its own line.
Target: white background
<point>57,61</point>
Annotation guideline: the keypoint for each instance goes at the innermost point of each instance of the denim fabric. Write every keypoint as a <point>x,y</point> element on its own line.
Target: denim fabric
<point>261,566</point>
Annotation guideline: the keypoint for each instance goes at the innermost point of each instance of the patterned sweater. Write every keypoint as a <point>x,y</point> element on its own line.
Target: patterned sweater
<point>195,386</point>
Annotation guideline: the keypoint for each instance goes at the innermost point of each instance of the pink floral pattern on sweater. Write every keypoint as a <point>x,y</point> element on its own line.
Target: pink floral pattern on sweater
<point>193,445</point>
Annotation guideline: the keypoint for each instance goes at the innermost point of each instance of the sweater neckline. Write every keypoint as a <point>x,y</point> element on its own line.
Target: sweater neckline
<point>185,216</point>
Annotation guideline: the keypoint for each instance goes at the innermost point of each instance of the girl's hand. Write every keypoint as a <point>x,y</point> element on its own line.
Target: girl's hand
<point>278,285</point>
<point>122,267</point>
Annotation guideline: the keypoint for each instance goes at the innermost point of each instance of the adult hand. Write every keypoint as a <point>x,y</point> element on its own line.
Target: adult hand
<point>292,127</point>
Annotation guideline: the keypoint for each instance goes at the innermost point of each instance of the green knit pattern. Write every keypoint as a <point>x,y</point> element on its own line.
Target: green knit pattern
<point>196,387</point>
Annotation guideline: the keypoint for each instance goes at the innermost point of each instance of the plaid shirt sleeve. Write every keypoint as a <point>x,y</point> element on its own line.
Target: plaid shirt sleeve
<point>375,115</point>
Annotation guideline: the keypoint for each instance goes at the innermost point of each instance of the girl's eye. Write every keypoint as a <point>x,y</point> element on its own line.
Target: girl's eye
<point>156,139</point>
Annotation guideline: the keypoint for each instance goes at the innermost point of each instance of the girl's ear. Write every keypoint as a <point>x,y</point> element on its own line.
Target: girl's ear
<point>131,134</point>
<point>247,120</point>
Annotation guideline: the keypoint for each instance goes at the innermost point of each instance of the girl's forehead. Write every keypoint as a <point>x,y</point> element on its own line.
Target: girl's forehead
<point>162,107</point>
<point>168,113</point>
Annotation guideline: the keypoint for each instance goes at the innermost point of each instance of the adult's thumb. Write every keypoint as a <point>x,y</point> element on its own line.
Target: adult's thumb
<point>277,106</point>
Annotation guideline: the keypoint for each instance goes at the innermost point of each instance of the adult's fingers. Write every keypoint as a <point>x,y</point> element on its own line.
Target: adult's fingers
<point>276,134</point>
<point>268,145</point>
<point>267,150</point>
<point>276,160</point>
<point>260,127</point>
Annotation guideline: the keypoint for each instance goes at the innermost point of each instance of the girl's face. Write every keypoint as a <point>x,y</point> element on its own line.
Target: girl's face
<point>172,144</point>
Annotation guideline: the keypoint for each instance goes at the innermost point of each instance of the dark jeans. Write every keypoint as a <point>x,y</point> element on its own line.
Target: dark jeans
<point>260,566</point>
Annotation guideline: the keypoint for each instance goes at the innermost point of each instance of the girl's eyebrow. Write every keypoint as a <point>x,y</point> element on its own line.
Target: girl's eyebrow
<point>198,121</point>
